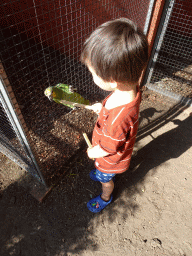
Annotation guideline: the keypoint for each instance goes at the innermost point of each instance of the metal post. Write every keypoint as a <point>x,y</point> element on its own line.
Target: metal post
<point>149,15</point>
<point>7,104</point>
<point>159,39</point>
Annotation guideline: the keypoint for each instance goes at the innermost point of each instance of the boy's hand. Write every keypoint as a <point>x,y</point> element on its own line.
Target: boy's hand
<point>90,153</point>
<point>95,107</point>
<point>96,152</point>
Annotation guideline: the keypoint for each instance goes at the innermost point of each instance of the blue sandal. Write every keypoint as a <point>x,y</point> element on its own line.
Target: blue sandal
<point>92,175</point>
<point>97,204</point>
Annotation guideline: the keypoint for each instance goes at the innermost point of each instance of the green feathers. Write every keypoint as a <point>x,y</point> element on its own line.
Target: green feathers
<point>62,93</point>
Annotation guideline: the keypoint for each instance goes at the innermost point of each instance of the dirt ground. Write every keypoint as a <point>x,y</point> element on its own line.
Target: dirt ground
<point>151,211</point>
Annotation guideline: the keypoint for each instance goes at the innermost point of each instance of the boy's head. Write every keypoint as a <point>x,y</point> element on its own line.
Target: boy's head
<point>116,51</point>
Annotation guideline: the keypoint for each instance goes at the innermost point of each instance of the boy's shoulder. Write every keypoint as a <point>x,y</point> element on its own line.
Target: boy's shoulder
<point>121,115</point>
<point>119,120</point>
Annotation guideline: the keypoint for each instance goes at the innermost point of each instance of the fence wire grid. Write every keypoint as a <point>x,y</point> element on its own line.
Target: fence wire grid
<point>171,69</point>
<point>8,138</point>
<point>11,145</point>
<point>41,42</point>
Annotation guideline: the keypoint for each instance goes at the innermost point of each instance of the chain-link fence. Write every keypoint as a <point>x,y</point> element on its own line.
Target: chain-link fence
<point>170,69</point>
<point>40,44</point>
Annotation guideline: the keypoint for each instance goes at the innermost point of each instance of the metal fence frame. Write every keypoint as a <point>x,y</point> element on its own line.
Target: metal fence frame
<point>33,167</point>
<point>163,24</point>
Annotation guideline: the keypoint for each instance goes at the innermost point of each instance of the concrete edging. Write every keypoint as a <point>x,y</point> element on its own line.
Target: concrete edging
<point>185,100</point>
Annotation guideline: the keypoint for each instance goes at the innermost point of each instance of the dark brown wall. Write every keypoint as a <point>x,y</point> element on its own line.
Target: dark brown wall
<point>64,25</point>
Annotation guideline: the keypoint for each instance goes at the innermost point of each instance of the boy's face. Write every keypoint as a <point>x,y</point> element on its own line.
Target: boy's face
<point>107,86</point>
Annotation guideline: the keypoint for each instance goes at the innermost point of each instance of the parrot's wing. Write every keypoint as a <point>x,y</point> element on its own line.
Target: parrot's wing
<point>64,87</point>
<point>79,99</point>
<point>71,96</point>
<point>63,95</point>
<point>63,102</point>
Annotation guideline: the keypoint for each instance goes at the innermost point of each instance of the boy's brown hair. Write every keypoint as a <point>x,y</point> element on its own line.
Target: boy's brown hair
<point>117,51</point>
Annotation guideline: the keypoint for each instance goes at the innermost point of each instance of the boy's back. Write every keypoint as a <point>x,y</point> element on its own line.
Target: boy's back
<point>115,132</point>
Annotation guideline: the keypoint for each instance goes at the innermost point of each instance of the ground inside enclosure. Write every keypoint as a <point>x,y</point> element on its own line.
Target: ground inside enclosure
<point>151,211</point>
<point>178,82</point>
<point>51,126</point>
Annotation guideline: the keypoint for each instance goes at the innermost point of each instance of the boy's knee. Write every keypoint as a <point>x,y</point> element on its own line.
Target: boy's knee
<point>108,184</point>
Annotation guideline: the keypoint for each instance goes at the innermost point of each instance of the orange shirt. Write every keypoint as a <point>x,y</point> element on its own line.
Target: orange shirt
<point>115,131</point>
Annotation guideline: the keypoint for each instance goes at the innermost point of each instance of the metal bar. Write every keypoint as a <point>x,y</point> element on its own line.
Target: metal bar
<point>152,30</point>
<point>6,102</point>
<point>5,143</point>
<point>159,39</point>
<point>148,17</point>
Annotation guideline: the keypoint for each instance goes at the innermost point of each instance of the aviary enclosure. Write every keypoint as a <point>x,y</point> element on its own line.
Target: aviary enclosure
<point>40,46</point>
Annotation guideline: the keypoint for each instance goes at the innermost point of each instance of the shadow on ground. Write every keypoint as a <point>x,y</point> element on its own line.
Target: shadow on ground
<point>62,223</point>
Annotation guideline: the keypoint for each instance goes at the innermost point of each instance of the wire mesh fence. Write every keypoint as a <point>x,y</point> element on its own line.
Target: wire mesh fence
<point>9,142</point>
<point>40,43</point>
<point>13,142</point>
<point>171,66</point>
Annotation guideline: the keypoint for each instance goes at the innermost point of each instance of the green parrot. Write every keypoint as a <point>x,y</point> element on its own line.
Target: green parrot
<point>63,94</point>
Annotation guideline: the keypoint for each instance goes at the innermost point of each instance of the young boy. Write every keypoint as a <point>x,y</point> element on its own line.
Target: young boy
<point>116,54</point>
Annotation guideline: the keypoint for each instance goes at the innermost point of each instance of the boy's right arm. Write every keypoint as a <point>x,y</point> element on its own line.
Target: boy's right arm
<point>95,107</point>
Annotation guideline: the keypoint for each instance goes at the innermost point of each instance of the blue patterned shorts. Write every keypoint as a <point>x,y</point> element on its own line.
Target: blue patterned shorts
<point>104,177</point>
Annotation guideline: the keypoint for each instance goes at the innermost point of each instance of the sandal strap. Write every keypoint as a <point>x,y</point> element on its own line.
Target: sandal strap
<point>97,204</point>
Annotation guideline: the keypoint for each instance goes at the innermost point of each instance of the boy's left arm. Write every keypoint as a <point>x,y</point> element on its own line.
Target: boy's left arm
<point>96,152</point>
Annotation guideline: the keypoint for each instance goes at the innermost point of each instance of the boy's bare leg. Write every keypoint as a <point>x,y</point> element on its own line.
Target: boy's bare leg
<point>107,189</point>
